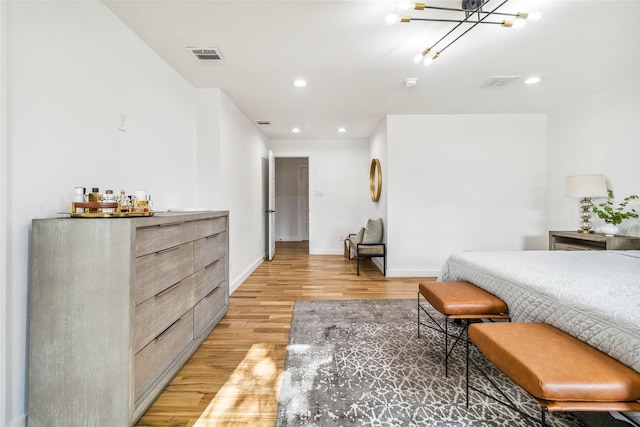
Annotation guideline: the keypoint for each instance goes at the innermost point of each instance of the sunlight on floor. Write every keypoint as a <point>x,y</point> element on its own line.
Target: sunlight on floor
<point>250,394</point>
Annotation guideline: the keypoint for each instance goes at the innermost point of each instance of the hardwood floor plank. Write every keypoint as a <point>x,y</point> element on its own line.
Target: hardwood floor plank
<point>234,377</point>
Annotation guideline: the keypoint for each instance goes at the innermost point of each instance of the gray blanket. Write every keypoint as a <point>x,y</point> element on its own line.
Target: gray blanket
<point>592,295</point>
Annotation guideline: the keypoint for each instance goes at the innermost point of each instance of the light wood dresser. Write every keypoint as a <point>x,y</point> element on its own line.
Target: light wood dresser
<point>117,307</point>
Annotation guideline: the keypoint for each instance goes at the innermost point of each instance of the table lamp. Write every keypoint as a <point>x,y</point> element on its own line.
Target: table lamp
<point>586,187</point>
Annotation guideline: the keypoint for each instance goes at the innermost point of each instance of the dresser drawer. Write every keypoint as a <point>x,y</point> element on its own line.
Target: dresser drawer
<point>207,308</point>
<point>160,237</point>
<point>158,312</point>
<point>159,270</point>
<point>208,278</point>
<point>157,356</point>
<point>208,250</point>
<point>208,227</point>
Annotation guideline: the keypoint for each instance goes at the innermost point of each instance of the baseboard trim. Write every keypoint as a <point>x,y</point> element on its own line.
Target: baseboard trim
<point>245,274</point>
<point>412,273</point>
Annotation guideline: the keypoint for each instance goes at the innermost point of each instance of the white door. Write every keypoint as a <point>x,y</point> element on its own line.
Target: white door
<point>272,206</point>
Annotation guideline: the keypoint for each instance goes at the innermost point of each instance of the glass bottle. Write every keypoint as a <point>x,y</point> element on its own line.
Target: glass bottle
<point>94,197</point>
<point>111,198</point>
<point>78,196</point>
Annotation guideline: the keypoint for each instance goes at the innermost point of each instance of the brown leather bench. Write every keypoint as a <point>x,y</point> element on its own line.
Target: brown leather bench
<point>559,371</point>
<point>458,301</point>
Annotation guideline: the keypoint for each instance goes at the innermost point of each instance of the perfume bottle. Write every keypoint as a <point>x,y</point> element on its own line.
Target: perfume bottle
<point>124,202</point>
<point>94,197</point>
<point>79,196</point>
<point>140,201</point>
<point>109,197</point>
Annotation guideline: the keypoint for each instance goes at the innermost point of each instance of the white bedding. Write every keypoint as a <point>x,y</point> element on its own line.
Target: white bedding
<point>592,295</point>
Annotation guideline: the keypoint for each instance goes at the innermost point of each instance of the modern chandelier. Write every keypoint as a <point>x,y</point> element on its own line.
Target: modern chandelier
<point>467,17</point>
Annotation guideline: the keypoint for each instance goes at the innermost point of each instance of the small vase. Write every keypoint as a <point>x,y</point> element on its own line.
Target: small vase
<point>609,229</point>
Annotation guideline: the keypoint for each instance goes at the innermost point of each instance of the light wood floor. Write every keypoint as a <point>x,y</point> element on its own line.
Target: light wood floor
<point>234,377</point>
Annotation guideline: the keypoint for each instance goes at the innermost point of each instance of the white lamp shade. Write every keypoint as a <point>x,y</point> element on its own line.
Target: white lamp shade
<point>586,186</point>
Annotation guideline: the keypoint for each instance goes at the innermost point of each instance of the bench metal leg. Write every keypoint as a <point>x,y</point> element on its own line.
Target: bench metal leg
<point>448,349</point>
<point>506,402</point>
<point>418,314</point>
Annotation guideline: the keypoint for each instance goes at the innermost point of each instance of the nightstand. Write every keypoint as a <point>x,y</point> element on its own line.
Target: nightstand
<point>576,241</point>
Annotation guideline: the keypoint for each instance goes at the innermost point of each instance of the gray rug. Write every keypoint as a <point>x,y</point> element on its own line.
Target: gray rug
<point>360,363</point>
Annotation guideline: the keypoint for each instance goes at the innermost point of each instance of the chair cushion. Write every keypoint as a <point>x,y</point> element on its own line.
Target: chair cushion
<point>371,250</point>
<point>553,365</point>
<point>461,298</point>
<point>373,232</point>
<point>360,235</point>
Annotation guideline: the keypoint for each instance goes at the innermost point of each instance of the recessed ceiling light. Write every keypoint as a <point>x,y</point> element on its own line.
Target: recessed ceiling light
<point>532,80</point>
<point>412,81</point>
<point>295,130</point>
<point>342,129</point>
<point>299,83</point>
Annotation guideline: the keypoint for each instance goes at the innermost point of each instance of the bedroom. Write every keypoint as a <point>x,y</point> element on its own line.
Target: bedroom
<point>61,109</point>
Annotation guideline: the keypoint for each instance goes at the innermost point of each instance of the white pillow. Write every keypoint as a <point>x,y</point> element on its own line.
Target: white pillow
<point>373,231</point>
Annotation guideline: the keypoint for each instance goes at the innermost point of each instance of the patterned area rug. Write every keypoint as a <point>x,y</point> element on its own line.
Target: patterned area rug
<point>360,363</point>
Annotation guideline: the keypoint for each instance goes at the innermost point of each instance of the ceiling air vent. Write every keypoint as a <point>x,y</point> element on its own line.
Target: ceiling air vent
<point>498,81</point>
<point>209,54</point>
<point>263,122</point>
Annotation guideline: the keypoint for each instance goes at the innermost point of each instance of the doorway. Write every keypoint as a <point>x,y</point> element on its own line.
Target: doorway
<point>292,199</point>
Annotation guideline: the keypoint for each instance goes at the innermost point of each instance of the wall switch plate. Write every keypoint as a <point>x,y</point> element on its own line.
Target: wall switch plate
<point>122,122</point>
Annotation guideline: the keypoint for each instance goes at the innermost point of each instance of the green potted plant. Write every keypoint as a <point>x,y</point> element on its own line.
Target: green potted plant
<point>614,215</point>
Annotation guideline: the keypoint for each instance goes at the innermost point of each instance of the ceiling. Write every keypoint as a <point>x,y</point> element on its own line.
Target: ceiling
<point>356,65</point>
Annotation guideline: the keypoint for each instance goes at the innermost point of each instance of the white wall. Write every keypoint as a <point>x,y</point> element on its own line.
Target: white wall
<point>600,134</point>
<point>229,153</point>
<point>242,148</point>
<point>208,150</point>
<point>4,231</point>
<point>463,182</point>
<point>71,68</point>
<point>338,187</point>
<point>378,150</point>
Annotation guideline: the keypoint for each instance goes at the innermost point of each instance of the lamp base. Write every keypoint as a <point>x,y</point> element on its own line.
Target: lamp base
<point>585,225</point>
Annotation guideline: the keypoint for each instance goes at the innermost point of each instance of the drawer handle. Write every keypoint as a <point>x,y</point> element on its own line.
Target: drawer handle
<point>212,292</point>
<point>212,264</point>
<point>164,291</point>
<point>166,331</point>
<point>167,250</point>
<point>171,224</point>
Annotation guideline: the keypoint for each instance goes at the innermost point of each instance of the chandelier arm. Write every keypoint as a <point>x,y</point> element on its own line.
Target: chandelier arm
<point>454,20</point>
<point>466,19</point>
<point>472,12</point>
<point>471,27</point>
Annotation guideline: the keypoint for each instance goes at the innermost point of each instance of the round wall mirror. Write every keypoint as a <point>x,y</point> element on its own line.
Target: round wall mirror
<point>375,180</point>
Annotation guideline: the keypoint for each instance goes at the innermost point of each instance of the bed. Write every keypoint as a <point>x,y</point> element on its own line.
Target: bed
<point>592,295</point>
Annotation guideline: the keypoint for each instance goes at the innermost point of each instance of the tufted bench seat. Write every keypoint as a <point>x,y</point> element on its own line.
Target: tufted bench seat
<point>458,301</point>
<point>561,372</point>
